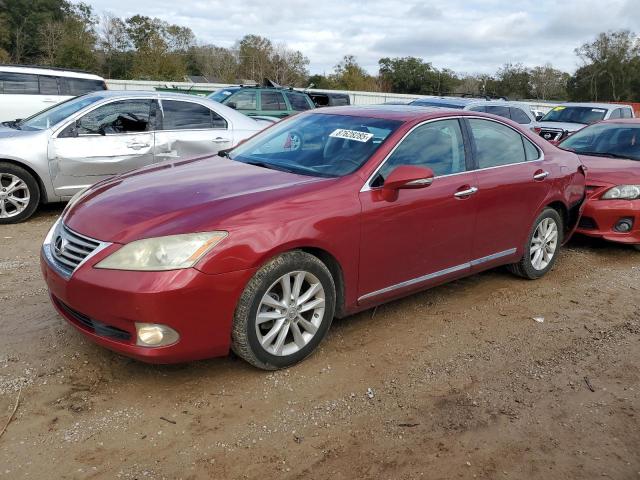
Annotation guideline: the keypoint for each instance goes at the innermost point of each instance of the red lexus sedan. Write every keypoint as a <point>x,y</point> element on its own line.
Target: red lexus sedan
<point>324,214</point>
<point>611,152</point>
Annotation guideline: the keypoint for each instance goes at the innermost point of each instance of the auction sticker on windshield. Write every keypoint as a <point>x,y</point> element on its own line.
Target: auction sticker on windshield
<point>351,135</point>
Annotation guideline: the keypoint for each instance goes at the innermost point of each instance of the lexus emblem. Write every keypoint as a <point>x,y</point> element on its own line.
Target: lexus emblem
<point>59,245</point>
<point>547,136</point>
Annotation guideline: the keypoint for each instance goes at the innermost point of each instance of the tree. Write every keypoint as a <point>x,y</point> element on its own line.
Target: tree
<point>548,83</point>
<point>216,63</point>
<point>254,54</point>
<point>115,45</point>
<point>348,75</point>
<point>76,46</point>
<point>610,66</point>
<point>513,81</point>
<point>408,75</point>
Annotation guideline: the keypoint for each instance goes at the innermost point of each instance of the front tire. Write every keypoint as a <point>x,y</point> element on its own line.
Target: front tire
<point>285,311</point>
<point>637,247</point>
<point>19,194</point>
<point>542,247</point>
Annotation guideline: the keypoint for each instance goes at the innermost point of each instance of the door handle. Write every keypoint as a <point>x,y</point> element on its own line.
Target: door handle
<point>220,140</point>
<point>541,176</point>
<point>466,193</point>
<point>136,145</point>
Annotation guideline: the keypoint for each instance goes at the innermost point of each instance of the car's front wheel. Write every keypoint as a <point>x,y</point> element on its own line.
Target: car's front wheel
<point>19,193</point>
<point>284,312</point>
<point>637,247</point>
<point>542,247</point>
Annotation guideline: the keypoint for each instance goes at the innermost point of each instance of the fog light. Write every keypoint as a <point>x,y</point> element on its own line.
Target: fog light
<point>624,225</point>
<point>153,335</point>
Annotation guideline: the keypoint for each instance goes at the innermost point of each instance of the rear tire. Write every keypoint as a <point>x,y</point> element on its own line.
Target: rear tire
<point>285,311</point>
<point>542,247</point>
<point>19,194</point>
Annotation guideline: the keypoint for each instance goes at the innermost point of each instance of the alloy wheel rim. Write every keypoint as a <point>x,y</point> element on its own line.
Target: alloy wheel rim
<point>14,195</point>
<point>290,313</point>
<point>544,244</point>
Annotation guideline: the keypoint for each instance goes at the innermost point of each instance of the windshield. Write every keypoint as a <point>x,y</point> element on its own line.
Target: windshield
<point>584,115</point>
<point>222,93</point>
<point>609,140</point>
<point>56,114</point>
<point>317,144</point>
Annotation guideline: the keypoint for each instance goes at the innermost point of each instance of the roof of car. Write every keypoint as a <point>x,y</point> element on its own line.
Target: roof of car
<point>623,120</point>
<point>53,71</point>
<point>145,94</point>
<point>392,112</point>
<point>593,105</point>
<point>445,101</point>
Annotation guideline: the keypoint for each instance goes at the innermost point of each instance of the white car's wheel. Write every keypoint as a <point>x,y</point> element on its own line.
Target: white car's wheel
<point>19,193</point>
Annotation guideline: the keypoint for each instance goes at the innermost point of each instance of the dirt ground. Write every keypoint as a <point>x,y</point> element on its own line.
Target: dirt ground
<point>455,382</point>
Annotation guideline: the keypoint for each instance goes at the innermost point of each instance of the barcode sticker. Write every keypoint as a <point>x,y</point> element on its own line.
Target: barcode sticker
<point>351,135</point>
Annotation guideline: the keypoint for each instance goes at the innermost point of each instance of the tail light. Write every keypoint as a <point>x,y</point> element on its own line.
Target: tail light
<point>537,130</point>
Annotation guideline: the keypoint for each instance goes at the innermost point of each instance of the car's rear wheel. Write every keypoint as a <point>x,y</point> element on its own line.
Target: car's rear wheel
<point>284,312</point>
<point>19,194</point>
<point>542,247</point>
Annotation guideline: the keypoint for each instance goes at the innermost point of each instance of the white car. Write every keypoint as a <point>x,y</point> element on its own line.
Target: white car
<point>25,90</point>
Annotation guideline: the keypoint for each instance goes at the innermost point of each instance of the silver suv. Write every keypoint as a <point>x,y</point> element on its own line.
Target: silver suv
<point>58,152</point>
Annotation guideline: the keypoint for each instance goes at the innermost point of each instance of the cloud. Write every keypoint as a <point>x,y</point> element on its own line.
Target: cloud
<point>473,36</point>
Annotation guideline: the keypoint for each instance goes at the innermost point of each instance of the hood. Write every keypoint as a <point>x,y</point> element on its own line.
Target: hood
<point>611,171</point>
<point>7,132</point>
<point>183,197</point>
<point>570,127</point>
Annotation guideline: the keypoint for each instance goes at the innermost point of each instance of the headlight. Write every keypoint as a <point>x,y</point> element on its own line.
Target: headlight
<point>163,253</point>
<point>74,200</point>
<point>623,192</point>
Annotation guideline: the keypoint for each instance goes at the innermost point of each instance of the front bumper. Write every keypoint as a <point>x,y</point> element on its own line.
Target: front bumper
<point>600,217</point>
<point>105,305</point>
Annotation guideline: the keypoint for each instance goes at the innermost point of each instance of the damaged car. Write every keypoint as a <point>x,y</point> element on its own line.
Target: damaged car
<point>56,153</point>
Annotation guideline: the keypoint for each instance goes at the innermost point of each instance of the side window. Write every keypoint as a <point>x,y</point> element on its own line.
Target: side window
<point>298,102</point>
<point>48,85</point>
<point>244,100</point>
<point>617,113</point>
<point>531,152</point>
<point>626,113</point>
<point>189,116</point>
<point>124,116</point>
<point>437,145</point>
<point>479,108</point>
<point>518,116</point>
<point>75,87</point>
<point>273,101</point>
<point>498,110</point>
<point>19,84</point>
<point>496,144</point>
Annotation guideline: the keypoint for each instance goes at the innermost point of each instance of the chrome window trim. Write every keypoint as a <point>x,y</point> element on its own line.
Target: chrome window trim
<point>440,273</point>
<point>368,188</point>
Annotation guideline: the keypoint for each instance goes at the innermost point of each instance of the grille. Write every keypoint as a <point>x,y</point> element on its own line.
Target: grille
<point>94,326</point>
<point>69,249</point>
<point>551,134</point>
<point>588,223</point>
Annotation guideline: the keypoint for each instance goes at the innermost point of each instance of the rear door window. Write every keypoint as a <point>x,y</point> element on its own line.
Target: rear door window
<point>48,85</point>
<point>496,144</point>
<point>19,83</point>
<point>298,101</point>
<point>626,113</point>
<point>273,101</point>
<point>518,116</point>
<point>498,110</point>
<point>189,116</point>
<point>75,87</point>
<point>617,113</point>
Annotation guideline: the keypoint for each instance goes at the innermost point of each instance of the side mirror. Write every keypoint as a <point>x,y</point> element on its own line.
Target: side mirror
<point>406,177</point>
<point>232,105</point>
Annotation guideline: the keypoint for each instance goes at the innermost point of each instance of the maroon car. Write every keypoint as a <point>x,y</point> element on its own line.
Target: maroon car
<point>324,214</point>
<point>611,152</point>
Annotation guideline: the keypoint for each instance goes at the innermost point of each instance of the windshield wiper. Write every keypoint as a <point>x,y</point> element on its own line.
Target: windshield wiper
<point>12,124</point>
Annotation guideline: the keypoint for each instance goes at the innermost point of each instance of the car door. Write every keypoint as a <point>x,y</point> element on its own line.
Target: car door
<point>113,138</point>
<point>513,181</point>
<point>422,237</point>
<point>272,104</point>
<point>190,129</point>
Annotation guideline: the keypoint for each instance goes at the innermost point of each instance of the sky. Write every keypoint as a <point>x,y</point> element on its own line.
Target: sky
<point>467,36</point>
